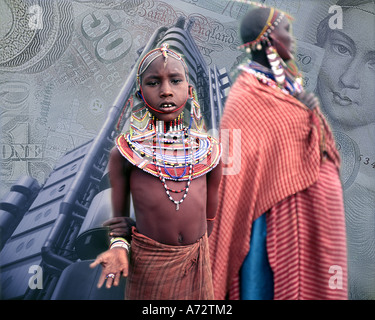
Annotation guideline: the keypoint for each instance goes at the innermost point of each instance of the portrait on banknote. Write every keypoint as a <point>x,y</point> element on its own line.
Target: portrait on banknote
<point>344,85</point>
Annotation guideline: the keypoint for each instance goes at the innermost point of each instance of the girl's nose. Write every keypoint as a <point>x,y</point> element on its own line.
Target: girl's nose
<point>165,89</point>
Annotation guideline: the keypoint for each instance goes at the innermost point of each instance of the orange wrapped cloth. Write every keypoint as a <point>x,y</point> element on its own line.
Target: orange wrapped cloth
<point>164,272</point>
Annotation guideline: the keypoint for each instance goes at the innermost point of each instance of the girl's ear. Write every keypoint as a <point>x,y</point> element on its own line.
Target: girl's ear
<point>139,95</point>
<point>191,91</point>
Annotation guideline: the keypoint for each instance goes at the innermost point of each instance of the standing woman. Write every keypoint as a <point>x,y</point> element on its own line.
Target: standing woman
<point>280,226</point>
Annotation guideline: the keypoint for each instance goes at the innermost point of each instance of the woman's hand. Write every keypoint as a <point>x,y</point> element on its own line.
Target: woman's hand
<point>120,227</point>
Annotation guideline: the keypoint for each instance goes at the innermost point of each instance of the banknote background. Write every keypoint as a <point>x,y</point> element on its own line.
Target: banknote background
<point>60,75</point>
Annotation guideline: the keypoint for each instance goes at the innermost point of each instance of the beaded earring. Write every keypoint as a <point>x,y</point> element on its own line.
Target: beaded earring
<point>196,118</point>
<point>276,64</point>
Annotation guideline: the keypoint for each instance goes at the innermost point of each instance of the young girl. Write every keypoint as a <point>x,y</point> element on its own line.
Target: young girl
<point>172,169</point>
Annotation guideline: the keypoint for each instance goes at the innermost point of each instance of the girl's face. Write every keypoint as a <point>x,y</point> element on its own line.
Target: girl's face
<point>165,88</point>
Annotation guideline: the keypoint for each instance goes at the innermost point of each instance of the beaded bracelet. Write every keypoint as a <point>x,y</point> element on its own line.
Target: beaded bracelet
<point>119,242</point>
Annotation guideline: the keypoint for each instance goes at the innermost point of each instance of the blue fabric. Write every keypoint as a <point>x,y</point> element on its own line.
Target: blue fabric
<point>256,278</point>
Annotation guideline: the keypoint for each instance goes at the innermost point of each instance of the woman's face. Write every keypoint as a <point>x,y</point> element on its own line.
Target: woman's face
<point>347,75</point>
<point>283,40</point>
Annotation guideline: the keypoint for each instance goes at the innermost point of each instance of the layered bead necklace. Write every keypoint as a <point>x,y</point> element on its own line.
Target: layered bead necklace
<point>161,141</point>
<point>265,76</point>
<point>179,150</point>
<point>170,138</point>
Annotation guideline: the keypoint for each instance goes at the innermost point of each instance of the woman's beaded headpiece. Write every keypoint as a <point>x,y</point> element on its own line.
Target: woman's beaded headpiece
<point>273,21</point>
<point>278,66</point>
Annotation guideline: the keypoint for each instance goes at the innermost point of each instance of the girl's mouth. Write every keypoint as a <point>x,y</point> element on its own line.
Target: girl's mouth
<point>167,107</point>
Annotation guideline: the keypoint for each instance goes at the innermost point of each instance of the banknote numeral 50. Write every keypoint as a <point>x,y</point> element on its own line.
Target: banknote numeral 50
<point>111,43</point>
<point>304,59</point>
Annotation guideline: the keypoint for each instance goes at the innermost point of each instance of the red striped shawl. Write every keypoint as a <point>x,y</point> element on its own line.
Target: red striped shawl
<point>281,155</point>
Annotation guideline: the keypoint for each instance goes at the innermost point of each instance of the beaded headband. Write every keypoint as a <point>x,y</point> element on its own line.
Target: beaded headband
<point>150,57</point>
<point>273,21</point>
<point>155,53</point>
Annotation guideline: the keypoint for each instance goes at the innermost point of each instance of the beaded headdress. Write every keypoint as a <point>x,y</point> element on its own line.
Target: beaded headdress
<point>278,66</point>
<point>164,51</point>
<point>273,21</point>
<point>193,119</point>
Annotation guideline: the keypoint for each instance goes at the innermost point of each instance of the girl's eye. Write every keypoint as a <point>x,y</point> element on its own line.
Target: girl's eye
<point>152,83</point>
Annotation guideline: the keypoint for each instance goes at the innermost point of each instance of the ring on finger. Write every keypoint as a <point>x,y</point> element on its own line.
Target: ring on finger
<point>110,275</point>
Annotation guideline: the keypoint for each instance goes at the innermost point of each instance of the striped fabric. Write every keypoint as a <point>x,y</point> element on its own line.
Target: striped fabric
<point>308,258</point>
<point>281,154</point>
<point>164,272</point>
